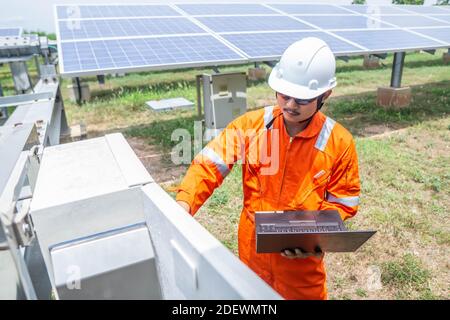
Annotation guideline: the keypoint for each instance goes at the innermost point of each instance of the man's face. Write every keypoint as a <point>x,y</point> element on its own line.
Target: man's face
<point>294,112</point>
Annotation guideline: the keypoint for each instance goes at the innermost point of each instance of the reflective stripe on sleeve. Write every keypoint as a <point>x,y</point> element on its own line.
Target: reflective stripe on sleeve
<point>346,201</point>
<point>325,133</point>
<point>268,115</point>
<point>217,160</point>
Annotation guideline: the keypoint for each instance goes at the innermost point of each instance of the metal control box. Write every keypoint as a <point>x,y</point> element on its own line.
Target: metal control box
<point>224,98</point>
<point>85,188</point>
<point>118,264</point>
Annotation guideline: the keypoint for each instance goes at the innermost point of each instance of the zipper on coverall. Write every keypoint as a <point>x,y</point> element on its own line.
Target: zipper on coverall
<point>284,169</point>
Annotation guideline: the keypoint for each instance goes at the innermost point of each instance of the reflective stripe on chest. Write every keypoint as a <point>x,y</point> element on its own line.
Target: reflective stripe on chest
<point>293,184</point>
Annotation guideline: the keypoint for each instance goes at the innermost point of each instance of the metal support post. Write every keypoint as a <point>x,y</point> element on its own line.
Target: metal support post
<point>271,64</point>
<point>77,83</point>
<point>216,69</point>
<point>22,81</point>
<point>198,83</point>
<point>38,69</point>
<point>397,69</point>
<point>101,79</point>
<point>4,114</point>
<point>381,55</point>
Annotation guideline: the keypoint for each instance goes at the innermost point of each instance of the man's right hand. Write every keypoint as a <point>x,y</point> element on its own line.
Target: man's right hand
<point>185,206</point>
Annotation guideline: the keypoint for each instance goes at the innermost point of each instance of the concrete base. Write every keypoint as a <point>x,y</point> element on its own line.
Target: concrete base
<point>78,132</point>
<point>74,93</point>
<point>371,62</point>
<point>394,97</point>
<point>255,74</point>
<point>446,57</point>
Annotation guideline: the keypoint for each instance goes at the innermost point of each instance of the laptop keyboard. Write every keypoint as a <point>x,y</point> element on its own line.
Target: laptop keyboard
<point>272,228</point>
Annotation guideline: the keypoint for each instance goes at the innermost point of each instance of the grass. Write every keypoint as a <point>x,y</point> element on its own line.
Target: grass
<point>406,275</point>
<point>405,176</point>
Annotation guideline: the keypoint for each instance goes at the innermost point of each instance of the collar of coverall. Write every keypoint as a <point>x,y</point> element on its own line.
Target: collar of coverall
<point>311,130</point>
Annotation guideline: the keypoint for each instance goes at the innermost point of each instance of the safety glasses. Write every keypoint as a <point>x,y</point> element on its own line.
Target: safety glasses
<point>297,101</point>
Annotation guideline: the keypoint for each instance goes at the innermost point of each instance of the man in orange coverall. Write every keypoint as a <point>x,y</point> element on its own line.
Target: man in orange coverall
<point>304,161</point>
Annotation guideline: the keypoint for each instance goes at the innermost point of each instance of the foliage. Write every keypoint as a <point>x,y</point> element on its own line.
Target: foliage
<point>50,36</point>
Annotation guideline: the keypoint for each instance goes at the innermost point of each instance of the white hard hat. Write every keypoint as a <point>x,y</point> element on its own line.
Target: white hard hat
<point>305,71</point>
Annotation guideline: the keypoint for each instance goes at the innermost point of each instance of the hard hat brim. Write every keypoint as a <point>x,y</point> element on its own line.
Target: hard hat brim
<point>293,90</point>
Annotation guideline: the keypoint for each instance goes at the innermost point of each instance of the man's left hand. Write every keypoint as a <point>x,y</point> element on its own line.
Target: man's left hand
<point>297,253</point>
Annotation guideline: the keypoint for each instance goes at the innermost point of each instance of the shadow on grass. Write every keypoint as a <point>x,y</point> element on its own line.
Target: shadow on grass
<point>355,112</point>
<point>387,64</point>
<point>159,87</point>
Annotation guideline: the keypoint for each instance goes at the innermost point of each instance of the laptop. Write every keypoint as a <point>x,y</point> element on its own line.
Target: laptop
<point>311,231</point>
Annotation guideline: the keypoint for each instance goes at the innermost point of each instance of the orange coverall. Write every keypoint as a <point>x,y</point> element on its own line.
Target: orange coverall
<point>315,170</point>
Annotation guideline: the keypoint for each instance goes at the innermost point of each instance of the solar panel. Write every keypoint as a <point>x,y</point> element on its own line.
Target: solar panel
<point>389,40</point>
<point>365,9</point>
<point>272,45</point>
<point>308,8</point>
<point>106,28</point>
<point>87,57</point>
<point>113,11</point>
<point>99,39</point>
<point>10,32</point>
<point>345,22</point>
<point>252,23</point>
<point>442,17</point>
<point>442,34</point>
<point>411,21</point>
<point>224,9</point>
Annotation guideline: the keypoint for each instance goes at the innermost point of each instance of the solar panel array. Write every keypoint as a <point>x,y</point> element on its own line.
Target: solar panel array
<point>10,32</point>
<point>99,39</point>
